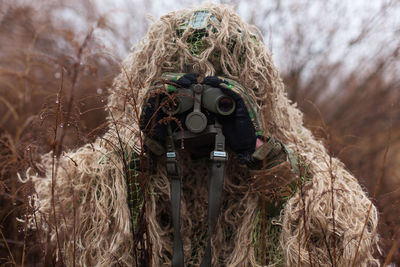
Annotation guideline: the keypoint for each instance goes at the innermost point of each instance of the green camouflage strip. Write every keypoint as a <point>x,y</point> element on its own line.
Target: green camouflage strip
<point>169,88</point>
<point>171,76</point>
<point>162,84</point>
<point>248,101</point>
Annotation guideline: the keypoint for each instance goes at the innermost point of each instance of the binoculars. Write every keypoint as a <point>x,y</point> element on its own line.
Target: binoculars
<point>197,96</point>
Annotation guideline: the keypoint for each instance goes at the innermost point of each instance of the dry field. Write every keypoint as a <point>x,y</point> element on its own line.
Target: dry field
<point>53,86</point>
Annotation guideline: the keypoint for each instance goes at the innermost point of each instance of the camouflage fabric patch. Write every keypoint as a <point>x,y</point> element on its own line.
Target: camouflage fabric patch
<point>198,24</point>
<point>199,20</point>
<point>294,161</point>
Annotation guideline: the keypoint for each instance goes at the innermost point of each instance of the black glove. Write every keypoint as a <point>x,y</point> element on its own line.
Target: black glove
<point>237,128</point>
<point>151,124</point>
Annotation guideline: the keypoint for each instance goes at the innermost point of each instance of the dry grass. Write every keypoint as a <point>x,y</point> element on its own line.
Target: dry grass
<point>53,82</point>
<point>53,85</point>
<point>361,120</point>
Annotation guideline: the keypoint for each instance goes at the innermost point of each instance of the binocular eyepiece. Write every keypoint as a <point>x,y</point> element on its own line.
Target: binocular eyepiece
<point>212,99</point>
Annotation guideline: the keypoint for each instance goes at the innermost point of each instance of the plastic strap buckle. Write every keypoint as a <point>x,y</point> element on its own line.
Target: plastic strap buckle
<point>172,166</point>
<point>219,153</point>
<point>171,161</point>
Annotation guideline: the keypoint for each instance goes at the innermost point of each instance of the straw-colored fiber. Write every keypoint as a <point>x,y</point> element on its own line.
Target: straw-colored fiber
<point>320,224</point>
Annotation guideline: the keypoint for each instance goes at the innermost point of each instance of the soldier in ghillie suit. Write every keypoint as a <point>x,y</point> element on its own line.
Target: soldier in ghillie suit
<point>147,192</point>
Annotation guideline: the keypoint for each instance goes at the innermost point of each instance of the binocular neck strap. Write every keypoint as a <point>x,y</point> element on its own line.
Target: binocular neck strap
<point>218,161</point>
<point>176,184</point>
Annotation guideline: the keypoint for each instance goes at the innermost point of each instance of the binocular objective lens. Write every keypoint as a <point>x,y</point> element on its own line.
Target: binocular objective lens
<point>226,105</point>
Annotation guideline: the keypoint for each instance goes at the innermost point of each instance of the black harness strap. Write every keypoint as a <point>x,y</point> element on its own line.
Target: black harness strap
<point>176,184</point>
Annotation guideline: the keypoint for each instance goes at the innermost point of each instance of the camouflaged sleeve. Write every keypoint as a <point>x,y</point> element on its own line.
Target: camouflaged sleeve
<point>271,154</point>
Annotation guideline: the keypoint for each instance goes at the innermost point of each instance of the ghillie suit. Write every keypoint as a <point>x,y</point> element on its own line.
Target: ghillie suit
<point>111,199</point>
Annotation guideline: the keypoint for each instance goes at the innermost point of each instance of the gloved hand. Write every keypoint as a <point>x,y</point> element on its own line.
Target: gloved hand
<point>150,123</point>
<point>237,128</point>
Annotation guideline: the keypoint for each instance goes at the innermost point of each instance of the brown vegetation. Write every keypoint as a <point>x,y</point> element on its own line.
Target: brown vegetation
<point>54,80</point>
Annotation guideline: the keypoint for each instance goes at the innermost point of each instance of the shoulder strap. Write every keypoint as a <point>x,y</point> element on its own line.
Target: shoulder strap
<point>218,160</point>
<point>176,184</point>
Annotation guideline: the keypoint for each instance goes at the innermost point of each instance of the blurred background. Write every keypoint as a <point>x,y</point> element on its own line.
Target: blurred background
<point>339,60</point>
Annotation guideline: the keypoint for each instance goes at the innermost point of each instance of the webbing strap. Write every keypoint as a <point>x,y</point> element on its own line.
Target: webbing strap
<point>177,258</point>
<point>214,205</point>
<point>176,184</point>
<point>218,157</point>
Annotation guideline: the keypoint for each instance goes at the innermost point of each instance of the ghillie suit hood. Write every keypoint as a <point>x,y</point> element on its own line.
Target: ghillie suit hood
<point>322,218</point>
